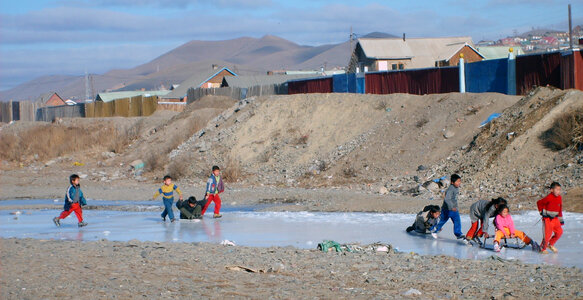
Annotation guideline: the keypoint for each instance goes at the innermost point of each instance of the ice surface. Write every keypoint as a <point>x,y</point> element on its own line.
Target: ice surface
<point>298,229</point>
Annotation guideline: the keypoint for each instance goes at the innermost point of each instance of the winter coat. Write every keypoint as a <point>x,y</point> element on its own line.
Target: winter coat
<point>215,185</point>
<point>424,222</point>
<point>74,194</point>
<point>478,212</point>
<point>450,200</point>
<point>551,206</point>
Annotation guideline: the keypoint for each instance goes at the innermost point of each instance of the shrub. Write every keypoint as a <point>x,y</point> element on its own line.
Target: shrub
<point>178,169</point>
<point>232,171</point>
<point>566,131</point>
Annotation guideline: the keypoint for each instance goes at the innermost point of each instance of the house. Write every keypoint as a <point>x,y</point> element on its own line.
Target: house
<point>413,53</point>
<point>496,52</point>
<point>55,100</point>
<point>112,96</point>
<point>209,79</point>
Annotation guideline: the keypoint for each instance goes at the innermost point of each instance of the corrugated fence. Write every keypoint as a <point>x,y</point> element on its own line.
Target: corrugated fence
<point>537,70</point>
<point>418,82</point>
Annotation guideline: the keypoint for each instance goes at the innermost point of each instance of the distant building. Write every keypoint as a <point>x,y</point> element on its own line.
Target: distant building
<point>209,79</point>
<point>412,53</point>
<point>112,96</point>
<point>55,100</point>
<point>496,52</point>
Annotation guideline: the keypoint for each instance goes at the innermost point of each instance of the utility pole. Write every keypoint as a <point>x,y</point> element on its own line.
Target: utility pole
<point>570,30</point>
<point>351,35</point>
<point>86,86</point>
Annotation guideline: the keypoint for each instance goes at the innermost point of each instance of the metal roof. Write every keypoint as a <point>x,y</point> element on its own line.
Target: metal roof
<point>495,52</point>
<point>195,81</point>
<point>422,52</point>
<point>258,80</point>
<point>107,97</point>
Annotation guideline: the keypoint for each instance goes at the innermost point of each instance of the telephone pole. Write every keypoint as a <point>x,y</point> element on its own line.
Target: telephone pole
<point>570,30</point>
<point>86,86</point>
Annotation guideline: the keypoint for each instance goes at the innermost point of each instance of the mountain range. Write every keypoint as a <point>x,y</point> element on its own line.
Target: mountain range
<point>244,56</point>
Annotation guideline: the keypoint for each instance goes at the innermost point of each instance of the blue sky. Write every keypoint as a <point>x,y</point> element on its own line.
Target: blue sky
<point>47,37</point>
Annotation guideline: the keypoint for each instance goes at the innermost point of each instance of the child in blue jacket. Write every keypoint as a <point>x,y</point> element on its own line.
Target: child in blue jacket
<point>74,199</point>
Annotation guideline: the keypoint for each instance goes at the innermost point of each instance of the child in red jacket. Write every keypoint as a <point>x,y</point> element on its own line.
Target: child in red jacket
<point>551,209</point>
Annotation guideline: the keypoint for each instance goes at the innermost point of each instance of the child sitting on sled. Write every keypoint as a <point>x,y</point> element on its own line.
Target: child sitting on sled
<point>426,219</point>
<point>505,229</point>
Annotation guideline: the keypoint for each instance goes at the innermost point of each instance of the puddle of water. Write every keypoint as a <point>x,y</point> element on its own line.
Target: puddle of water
<point>298,229</point>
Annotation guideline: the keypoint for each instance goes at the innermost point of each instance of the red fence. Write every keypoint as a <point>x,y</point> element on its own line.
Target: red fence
<point>537,70</point>
<point>572,70</point>
<point>318,85</point>
<point>419,82</point>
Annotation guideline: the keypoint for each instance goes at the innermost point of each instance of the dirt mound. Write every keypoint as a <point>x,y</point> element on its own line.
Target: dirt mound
<point>337,139</point>
<point>509,156</point>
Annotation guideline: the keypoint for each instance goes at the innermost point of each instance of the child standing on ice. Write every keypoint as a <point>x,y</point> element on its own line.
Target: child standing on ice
<point>214,187</point>
<point>551,210</point>
<point>74,199</point>
<point>505,229</point>
<point>449,209</point>
<point>167,191</point>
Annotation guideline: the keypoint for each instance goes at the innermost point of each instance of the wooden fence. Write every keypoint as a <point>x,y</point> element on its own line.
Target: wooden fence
<point>18,111</point>
<point>51,113</point>
<point>128,107</point>
<point>237,93</point>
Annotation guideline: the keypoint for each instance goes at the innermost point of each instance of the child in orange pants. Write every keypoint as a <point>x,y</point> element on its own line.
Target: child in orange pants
<point>551,209</point>
<point>505,228</point>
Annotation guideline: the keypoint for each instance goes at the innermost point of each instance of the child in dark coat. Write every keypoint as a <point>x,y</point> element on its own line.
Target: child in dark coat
<point>425,219</point>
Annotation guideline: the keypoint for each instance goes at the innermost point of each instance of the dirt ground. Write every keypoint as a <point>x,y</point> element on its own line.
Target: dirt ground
<point>337,152</point>
<point>104,269</point>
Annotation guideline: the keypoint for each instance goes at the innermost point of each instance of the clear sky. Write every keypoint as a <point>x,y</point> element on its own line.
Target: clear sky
<point>44,37</point>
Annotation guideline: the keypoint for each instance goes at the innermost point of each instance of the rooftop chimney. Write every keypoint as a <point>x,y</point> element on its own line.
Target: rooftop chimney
<point>403,36</point>
<point>215,66</point>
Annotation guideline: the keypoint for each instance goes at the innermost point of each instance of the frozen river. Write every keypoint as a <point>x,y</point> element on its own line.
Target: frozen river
<point>297,229</point>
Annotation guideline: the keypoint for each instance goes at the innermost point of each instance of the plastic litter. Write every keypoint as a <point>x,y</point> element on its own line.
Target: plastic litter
<point>412,292</point>
<point>228,243</point>
<point>489,119</point>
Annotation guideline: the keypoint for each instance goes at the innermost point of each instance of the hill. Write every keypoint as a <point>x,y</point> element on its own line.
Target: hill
<point>245,55</point>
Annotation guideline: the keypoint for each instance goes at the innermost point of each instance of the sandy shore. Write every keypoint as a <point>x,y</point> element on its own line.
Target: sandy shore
<point>33,269</point>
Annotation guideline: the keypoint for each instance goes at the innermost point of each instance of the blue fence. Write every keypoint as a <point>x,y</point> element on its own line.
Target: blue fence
<point>487,76</point>
<point>348,83</point>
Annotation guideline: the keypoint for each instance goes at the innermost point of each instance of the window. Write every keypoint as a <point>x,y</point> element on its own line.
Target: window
<point>401,66</point>
<point>394,67</point>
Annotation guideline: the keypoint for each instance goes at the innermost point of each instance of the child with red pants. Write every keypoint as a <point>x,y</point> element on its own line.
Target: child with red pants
<point>480,212</point>
<point>505,229</point>
<point>551,209</point>
<point>214,187</point>
<point>74,199</point>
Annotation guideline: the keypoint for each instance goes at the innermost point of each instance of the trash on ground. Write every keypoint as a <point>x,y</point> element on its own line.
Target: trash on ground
<point>489,119</point>
<point>228,243</point>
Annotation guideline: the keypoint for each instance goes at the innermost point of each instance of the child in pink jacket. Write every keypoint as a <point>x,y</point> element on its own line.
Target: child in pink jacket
<point>505,229</point>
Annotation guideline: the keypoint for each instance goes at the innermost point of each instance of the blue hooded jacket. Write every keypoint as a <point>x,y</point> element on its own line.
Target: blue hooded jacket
<point>70,197</point>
